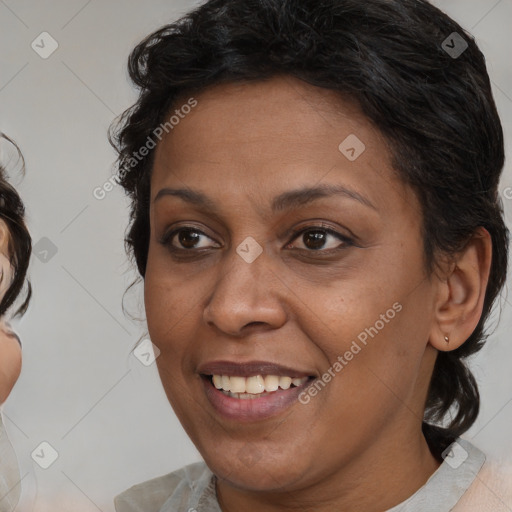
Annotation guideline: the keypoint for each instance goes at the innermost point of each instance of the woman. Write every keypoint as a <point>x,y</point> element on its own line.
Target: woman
<point>15,247</point>
<point>315,215</point>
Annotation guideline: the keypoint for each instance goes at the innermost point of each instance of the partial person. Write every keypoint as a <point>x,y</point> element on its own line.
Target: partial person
<point>15,249</point>
<point>316,217</point>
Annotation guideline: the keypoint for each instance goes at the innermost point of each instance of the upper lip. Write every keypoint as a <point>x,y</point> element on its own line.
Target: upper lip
<point>250,368</point>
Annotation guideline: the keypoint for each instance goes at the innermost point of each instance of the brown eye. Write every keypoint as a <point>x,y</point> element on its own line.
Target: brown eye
<point>316,239</point>
<point>188,238</point>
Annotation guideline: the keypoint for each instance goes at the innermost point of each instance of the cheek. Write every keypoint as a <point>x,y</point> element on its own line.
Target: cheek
<point>168,297</point>
<point>166,314</point>
<point>169,308</point>
<point>377,333</point>
<point>173,312</point>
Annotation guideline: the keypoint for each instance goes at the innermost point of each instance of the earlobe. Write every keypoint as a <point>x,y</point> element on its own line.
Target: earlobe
<point>460,302</point>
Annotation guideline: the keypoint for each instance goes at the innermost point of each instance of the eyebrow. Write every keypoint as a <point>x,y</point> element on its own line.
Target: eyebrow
<point>287,200</point>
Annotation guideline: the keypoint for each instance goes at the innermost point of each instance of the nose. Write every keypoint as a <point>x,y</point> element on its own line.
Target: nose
<point>246,297</point>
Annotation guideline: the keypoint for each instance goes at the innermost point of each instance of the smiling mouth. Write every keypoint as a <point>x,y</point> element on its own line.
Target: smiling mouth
<point>256,386</point>
<point>248,399</point>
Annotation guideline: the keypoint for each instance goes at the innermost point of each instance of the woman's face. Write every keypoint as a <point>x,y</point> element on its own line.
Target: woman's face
<point>292,251</point>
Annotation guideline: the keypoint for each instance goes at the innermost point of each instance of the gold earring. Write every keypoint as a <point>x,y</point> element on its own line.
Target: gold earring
<point>446,339</point>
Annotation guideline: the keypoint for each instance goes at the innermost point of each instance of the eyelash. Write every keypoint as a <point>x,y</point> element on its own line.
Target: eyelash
<point>167,239</point>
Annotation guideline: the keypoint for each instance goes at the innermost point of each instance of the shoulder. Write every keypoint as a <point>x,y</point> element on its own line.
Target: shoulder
<point>491,489</point>
<point>151,495</point>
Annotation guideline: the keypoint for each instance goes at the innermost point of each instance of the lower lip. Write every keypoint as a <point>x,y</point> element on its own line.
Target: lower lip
<point>251,409</point>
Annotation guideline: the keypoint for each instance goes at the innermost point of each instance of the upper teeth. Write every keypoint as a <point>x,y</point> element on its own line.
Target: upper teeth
<point>256,384</point>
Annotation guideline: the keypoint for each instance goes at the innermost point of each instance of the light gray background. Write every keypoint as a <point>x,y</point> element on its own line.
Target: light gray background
<point>81,390</point>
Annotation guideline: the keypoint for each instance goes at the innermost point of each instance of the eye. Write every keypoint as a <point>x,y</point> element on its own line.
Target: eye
<point>313,238</point>
<point>318,238</point>
<point>187,238</point>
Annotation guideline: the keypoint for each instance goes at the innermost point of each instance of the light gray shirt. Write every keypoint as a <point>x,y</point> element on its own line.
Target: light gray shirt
<point>192,488</point>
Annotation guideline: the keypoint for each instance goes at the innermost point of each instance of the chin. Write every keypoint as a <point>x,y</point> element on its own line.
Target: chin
<point>249,470</point>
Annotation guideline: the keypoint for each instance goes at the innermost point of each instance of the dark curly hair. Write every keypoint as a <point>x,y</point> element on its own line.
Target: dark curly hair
<point>12,212</point>
<point>435,110</point>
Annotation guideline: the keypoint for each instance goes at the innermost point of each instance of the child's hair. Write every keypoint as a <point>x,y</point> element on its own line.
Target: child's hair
<point>12,212</point>
<point>435,109</point>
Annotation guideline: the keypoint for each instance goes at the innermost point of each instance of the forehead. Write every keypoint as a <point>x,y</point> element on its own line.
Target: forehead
<point>261,138</point>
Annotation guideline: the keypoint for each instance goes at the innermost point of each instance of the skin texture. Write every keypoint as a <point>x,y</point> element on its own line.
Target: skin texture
<point>10,350</point>
<point>10,361</point>
<point>357,445</point>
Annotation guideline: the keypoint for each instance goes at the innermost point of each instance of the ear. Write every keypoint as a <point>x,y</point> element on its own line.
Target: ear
<point>461,294</point>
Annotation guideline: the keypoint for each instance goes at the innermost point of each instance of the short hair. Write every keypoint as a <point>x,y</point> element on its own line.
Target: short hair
<point>434,108</point>
<point>19,247</point>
